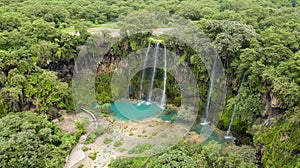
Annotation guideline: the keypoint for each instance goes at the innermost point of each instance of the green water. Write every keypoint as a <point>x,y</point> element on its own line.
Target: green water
<point>125,110</point>
<point>213,135</point>
<point>168,117</point>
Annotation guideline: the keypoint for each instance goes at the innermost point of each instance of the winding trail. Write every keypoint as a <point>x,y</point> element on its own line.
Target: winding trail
<point>77,154</point>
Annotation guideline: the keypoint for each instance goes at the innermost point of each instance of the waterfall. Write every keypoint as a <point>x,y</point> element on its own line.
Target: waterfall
<point>211,85</point>
<point>153,74</point>
<point>230,124</point>
<point>228,136</point>
<point>163,96</point>
<point>143,73</point>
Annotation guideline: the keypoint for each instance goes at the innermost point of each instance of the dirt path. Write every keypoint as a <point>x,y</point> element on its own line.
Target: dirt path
<point>68,125</point>
<point>129,133</point>
<point>77,154</point>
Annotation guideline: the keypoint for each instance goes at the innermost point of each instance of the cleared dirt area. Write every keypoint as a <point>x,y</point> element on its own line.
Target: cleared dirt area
<point>125,135</point>
<point>67,121</point>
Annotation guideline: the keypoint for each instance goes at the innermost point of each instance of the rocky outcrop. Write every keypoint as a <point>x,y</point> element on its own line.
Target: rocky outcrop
<point>273,109</point>
<point>108,63</point>
<point>64,69</point>
<point>276,103</point>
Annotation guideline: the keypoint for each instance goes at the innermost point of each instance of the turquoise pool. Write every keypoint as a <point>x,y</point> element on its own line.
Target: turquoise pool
<point>213,135</point>
<point>125,110</point>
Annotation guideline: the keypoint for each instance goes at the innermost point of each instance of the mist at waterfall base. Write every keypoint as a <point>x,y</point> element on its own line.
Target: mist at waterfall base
<point>211,86</point>
<point>149,99</point>
<point>149,106</point>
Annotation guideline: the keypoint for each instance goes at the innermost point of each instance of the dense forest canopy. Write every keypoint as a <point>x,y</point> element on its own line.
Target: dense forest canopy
<point>259,39</point>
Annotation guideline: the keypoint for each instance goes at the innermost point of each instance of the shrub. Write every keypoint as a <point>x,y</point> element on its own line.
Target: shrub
<point>107,140</point>
<point>140,148</point>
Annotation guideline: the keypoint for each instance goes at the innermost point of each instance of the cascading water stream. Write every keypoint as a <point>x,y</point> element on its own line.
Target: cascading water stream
<point>149,99</point>
<point>228,136</point>
<point>163,96</point>
<point>143,73</point>
<point>211,85</point>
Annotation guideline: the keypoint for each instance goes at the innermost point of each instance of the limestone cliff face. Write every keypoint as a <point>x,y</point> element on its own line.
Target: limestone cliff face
<point>273,109</point>
<point>276,103</point>
<point>63,68</point>
<point>109,63</point>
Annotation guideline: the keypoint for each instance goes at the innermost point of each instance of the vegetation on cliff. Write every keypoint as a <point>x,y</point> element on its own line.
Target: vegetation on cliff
<point>259,39</point>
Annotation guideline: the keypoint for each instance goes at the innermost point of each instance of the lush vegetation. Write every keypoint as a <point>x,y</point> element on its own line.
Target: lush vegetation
<point>187,154</point>
<point>258,39</point>
<point>30,140</point>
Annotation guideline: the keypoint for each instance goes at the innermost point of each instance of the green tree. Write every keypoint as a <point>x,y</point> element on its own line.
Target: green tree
<point>280,140</point>
<point>30,140</point>
<point>138,22</point>
<point>229,37</point>
<point>190,10</point>
<point>241,156</point>
<point>173,158</point>
<point>120,162</point>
